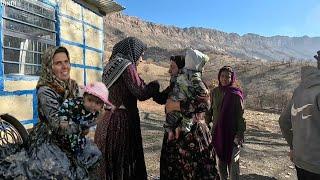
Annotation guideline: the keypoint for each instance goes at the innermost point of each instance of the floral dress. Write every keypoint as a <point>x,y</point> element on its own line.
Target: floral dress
<point>79,119</point>
<point>192,155</point>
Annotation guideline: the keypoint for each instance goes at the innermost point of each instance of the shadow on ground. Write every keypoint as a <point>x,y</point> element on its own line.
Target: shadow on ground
<point>255,177</point>
<point>262,137</point>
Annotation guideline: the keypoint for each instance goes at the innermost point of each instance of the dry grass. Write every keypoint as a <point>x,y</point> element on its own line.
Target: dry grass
<point>151,106</point>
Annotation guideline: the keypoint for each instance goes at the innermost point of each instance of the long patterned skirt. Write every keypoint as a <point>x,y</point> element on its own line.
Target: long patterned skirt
<point>189,157</point>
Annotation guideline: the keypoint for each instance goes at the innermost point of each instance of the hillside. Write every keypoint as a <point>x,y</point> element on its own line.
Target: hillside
<point>248,46</point>
<point>267,67</point>
<point>267,85</point>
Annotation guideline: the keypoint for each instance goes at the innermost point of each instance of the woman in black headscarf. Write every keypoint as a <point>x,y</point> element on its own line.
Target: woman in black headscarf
<point>118,134</point>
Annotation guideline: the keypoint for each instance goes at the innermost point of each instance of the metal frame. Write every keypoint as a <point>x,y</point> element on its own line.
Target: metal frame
<point>22,35</point>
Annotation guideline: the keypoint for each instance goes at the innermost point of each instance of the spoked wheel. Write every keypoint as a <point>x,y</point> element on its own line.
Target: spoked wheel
<point>12,134</point>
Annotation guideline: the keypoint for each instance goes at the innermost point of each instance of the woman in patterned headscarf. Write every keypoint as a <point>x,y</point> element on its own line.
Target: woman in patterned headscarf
<point>119,135</point>
<point>60,82</point>
<point>188,155</point>
<point>47,156</point>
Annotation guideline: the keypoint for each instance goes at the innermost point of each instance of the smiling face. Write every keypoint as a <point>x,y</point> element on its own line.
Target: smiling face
<point>61,66</point>
<point>225,78</point>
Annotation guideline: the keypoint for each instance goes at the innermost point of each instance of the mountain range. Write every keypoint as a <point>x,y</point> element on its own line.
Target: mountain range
<point>163,39</point>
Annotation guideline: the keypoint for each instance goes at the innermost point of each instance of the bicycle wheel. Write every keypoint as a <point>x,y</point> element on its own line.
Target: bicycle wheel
<point>12,131</point>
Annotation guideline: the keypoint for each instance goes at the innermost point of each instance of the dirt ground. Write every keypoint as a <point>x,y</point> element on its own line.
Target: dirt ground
<point>263,156</point>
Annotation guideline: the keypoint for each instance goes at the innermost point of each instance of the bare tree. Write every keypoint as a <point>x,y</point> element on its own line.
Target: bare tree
<point>318,58</point>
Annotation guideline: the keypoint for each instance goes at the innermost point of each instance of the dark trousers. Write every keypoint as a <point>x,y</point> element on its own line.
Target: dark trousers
<point>306,175</point>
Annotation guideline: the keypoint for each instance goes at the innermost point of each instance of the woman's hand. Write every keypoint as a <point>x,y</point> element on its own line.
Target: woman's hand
<point>174,134</point>
<point>172,106</point>
<point>64,125</point>
<point>154,88</point>
<point>170,136</point>
<point>199,117</point>
<point>290,154</point>
<point>85,132</point>
<point>238,141</point>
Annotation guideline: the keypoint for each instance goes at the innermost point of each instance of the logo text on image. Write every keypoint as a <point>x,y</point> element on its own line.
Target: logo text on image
<point>8,2</point>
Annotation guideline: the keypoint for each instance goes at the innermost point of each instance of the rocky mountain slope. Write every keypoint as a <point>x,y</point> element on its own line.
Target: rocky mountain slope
<point>167,38</point>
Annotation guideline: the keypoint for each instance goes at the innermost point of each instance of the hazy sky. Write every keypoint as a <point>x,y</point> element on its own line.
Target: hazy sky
<point>263,17</point>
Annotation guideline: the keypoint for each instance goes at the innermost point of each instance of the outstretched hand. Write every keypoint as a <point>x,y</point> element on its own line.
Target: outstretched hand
<point>154,87</point>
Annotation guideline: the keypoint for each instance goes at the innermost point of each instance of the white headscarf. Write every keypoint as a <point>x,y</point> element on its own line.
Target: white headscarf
<point>195,60</point>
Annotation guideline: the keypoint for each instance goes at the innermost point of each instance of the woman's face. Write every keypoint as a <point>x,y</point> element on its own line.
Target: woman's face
<point>225,78</point>
<point>173,70</point>
<point>61,66</point>
<point>139,60</point>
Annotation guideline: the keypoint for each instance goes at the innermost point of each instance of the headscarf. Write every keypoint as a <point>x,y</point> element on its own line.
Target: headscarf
<point>179,60</point>
<point>68,88</point>
<point>124,53</point>
<point>194,63</point>
<point>232,86</point>
<point>224,135</point>
<point>130,48</point>
<point>195,60</point>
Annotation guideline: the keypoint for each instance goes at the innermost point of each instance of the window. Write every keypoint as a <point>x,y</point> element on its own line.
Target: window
<point>29,29</point>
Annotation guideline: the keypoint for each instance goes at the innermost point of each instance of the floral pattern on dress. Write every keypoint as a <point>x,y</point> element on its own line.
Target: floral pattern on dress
<point>79,119</point>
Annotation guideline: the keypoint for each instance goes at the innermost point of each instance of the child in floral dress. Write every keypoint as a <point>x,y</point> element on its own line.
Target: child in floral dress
<point>79,114</point>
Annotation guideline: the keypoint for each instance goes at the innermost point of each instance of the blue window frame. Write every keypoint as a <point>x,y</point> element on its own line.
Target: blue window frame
<point>28,30</point>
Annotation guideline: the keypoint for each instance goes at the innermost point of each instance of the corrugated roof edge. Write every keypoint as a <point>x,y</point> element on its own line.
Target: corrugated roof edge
<point>101,7</point>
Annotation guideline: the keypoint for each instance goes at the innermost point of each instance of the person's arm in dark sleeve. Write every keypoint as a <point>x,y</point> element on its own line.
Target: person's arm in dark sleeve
<point>137,86</point>
<point>285,124</point>
<point>241,128</point>
<point>49,105</point>
<point>161,97</point>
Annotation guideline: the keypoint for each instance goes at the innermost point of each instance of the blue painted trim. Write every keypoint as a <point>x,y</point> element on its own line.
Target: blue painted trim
<point>16,93</point>
<point>84,49</point>
<point>80,21</point>
<point>30,121</point>
<point>48,3</point>
<point>1,82</point>
<point>35,107</point>
<point>80,45</point>
<point>1,50</point>
<point>57,24</point>
<point>86,67</point>
<point>103,45</point>
<point>20,77</point>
